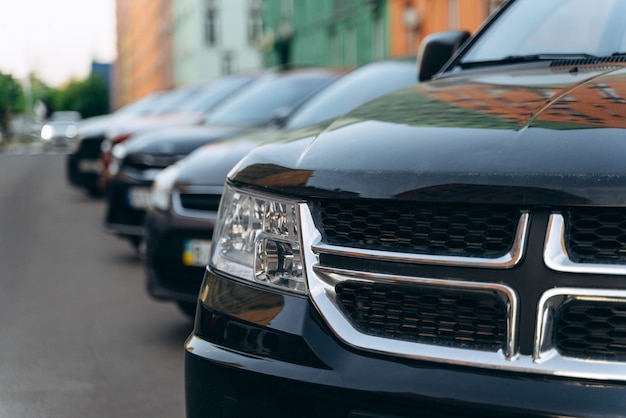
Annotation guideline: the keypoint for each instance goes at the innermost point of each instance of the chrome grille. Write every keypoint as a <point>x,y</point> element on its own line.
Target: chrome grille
<point>438,229</point>
<point>203,202</point>
<point>426,314</point>
<point>591,329</point>
<point>596,235</point>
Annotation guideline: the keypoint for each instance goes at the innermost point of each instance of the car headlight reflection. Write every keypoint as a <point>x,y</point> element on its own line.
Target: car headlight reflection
<point>257,239</point>
<point>47,132</point>
<point>118,153</point>
<point>161,195</point>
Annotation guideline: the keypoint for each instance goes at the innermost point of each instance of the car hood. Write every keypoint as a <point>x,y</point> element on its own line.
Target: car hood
<point>210,164</point>
<point>536,136</point>
<point>142,124</point>
<point>179,140</point>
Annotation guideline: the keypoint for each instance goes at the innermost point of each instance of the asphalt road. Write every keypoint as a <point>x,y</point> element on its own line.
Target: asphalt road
<point>79,336</point>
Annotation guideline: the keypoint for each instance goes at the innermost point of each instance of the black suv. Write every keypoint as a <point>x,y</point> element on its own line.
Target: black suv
<point>453,249</point>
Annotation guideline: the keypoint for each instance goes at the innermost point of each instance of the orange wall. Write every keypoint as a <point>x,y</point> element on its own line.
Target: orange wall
<point>435,16</point>
<point>144,62</point>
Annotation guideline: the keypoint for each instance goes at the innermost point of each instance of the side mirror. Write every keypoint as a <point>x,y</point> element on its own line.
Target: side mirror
<point>280,115</point>
<point>436,50</point>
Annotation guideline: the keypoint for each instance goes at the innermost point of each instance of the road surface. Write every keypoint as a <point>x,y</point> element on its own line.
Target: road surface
<point>79,336</point>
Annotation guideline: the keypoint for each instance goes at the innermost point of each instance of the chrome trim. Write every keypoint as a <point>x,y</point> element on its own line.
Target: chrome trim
<point>178,208</point>
<point>331,277</point>
<point>555,254</point>
<point>546,361</point>
<point>545,353</point>
<point>509,260</point>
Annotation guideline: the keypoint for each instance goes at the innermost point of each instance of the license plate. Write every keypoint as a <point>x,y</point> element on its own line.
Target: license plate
<point>90,166</point>
<point>196,252</point>
<point>139,197</point>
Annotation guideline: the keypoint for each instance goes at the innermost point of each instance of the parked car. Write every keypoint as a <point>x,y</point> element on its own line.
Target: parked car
<point>185,105</point>
<point>185,110</point>
<point>455,248</point>
<point>137,161</point>
<point>84,164</point>
<point>60,130</point>
<point>185,196</point>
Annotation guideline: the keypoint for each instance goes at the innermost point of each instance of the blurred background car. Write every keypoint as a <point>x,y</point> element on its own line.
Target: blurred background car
<point>185,105</point>
<point>194,109</point>
<point>84,164</point>
<point>185,196</point>
<point>136,162</point>
<point>60,130</point>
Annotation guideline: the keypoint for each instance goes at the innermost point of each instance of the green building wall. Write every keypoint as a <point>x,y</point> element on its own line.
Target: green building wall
<point>336,33</point>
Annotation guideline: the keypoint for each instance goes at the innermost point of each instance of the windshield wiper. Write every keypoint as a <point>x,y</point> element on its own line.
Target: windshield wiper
<point>518,59</point>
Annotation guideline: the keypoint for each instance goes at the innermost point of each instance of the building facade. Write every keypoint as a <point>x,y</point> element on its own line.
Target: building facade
<point>347,33</point>
<point>215,37</point>
<point>412,20</point>
<point>144,49</point>
<point>169,43</point>
<point>336,33</point>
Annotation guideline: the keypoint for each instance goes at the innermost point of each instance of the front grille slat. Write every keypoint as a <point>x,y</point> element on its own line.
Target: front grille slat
<point>426,314</point>
<point>592,330</point>
<point>439,229</point>
<point>596,235</point>
<point>204,202</point>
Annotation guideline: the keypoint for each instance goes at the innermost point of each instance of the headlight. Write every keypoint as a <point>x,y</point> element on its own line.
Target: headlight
<point>162,187</point>
<point>118,152</point>
<point>47,132</point>
<point>257,239</point>
<point>71,131</point>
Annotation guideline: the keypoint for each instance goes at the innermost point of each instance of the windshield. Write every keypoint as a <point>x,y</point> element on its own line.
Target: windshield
<point>258,104</point>
<point>173,100</point>
<point>142,105</point>
<point>213,93</point>
<point>540,27</point>
<point>352,90</point>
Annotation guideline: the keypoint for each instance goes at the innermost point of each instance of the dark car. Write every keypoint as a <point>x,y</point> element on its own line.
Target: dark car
<point>185,196</point>
<point>182,106</point>
<point>136,162</point>
<point>84,165</point>
<point>453,249</point>
<point>186,109</point>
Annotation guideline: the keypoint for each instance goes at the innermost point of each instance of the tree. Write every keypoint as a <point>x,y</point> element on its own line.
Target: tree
<point>11,101</point>
<point>90,97</point>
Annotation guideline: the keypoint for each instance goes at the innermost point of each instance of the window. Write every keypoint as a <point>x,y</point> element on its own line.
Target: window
<point>255,21</point>
<point>210,23</point>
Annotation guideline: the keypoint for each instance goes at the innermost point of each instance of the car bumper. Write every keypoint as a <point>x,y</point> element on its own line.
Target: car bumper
<point>257,352</point>
<point>84,172</point>
<point>125,216</point>
<point>166,236</point>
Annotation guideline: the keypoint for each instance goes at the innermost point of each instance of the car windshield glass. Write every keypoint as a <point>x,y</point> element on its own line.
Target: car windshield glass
<point>173,100</point>
<point>542,28</point>
<point>352,90</point>
<point>214,93</point>
<point>258,104</point>
<point>142,105</point>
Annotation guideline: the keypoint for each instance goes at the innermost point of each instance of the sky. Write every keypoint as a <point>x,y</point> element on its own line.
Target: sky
<point>55,39</point>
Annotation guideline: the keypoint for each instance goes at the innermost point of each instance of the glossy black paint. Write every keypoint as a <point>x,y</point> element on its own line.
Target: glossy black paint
<point>519,132</point>
<point>540,135</point>
<point>333,380</point>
